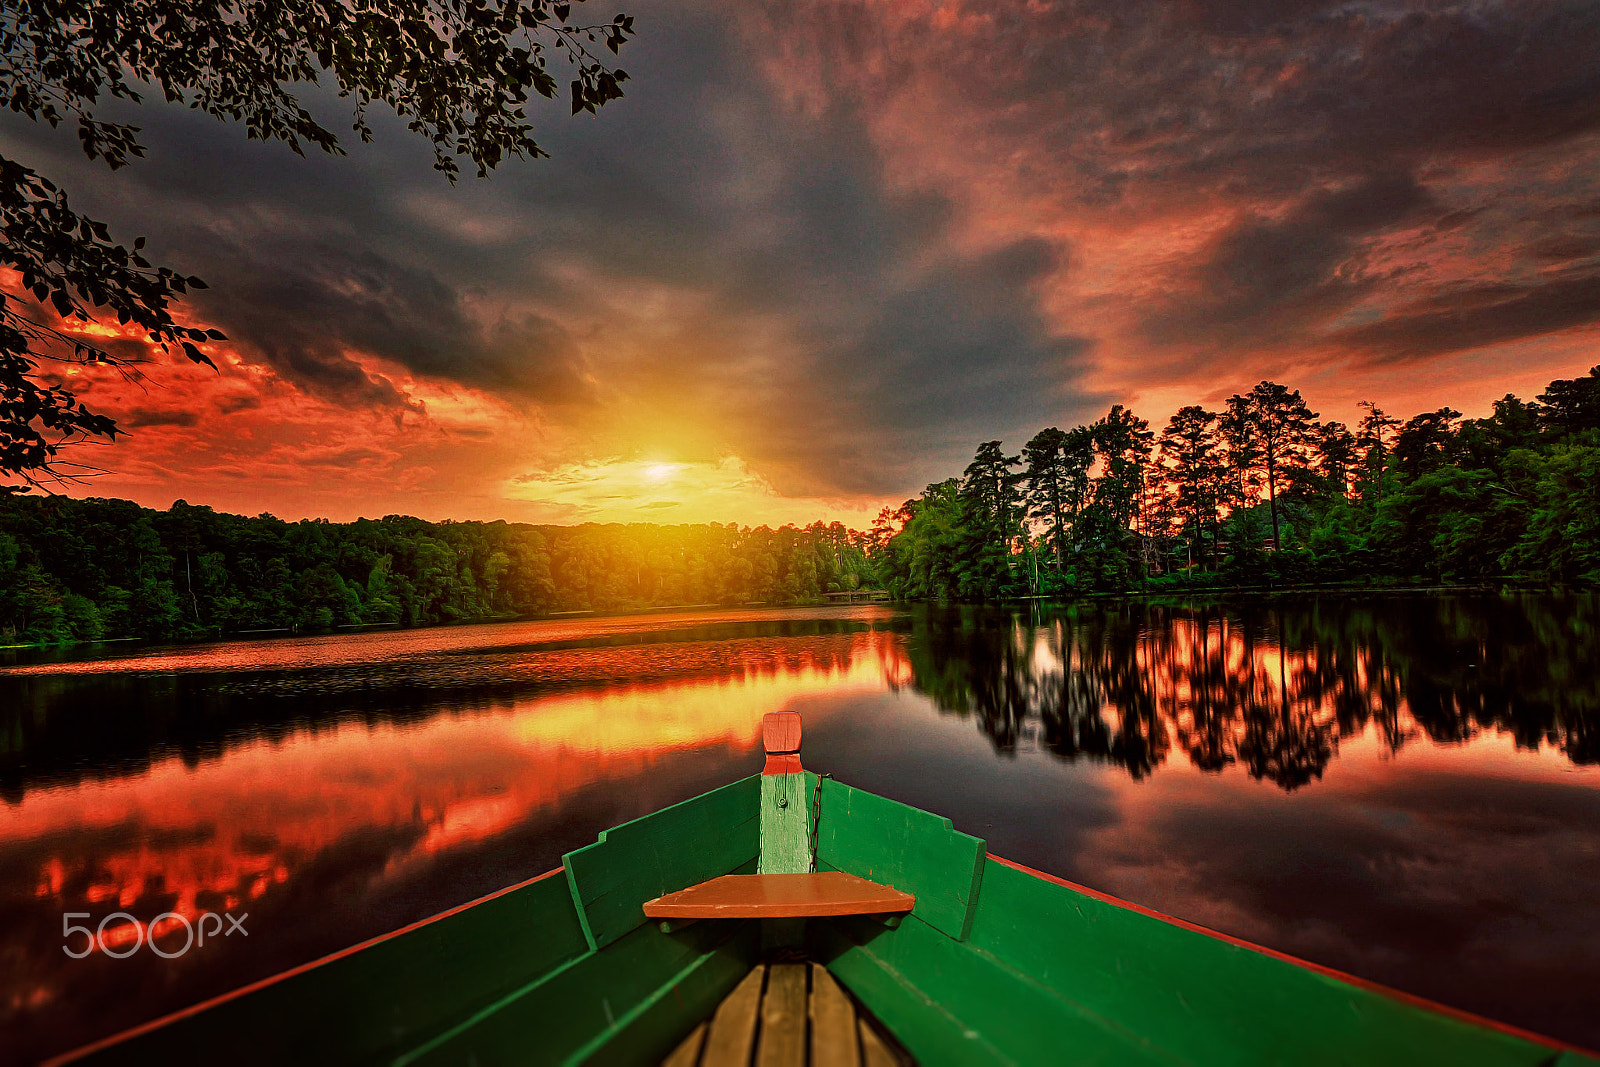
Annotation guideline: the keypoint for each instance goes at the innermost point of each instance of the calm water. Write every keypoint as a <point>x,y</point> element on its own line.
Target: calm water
<point>1405,788</point>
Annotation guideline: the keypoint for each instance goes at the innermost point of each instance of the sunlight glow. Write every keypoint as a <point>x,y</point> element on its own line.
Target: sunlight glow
<point>660,472</point>
<point>651,490</point>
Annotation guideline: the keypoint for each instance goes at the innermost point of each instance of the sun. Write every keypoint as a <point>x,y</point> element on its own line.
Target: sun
<point>660,472</point>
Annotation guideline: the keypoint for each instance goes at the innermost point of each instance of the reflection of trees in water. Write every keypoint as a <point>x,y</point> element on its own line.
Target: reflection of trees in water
<point>1273,688</point>
<point>60,728</point>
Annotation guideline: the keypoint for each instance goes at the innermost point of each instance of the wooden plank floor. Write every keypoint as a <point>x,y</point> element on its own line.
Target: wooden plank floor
<point>788,1015</point>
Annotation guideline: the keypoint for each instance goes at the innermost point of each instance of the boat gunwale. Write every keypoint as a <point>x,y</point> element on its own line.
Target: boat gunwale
<point>1389,992</point>
<point>273,979</point>
<point>1408,999</point>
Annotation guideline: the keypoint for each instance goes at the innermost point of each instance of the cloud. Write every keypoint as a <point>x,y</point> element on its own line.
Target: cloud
<point>1285,275</point>
<point>1477,317</point>
<point>846,242</point>
<point>140,418</point>
<point>635,489</point>
<point>1244,185</point>
<point>705,267</point>
<point>1430,882</point>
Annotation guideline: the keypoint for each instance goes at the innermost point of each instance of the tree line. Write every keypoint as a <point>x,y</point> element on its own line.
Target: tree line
<point>1262,491</point>
<point>86,570</point>
<point>1259,491</point>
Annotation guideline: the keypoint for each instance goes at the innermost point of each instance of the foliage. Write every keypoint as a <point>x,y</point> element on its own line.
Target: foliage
<point>85,570</point>
<point>1193,476</point>
<point>1263,493</point>
<point>1284,432</point>
<point>1092,509</point>
<point>1056,482</point>
<point>459,72</point>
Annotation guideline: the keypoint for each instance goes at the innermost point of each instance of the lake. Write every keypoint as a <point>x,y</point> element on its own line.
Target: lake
<point>1405,787</point>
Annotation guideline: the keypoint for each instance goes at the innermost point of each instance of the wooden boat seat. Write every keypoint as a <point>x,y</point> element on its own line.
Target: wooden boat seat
<point>780,896</point>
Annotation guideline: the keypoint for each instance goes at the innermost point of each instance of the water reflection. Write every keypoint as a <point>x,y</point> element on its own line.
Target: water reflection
<point>120,714</point>
<point>1438,835</point>
<point>1273,690</point>
<point>332,803</point>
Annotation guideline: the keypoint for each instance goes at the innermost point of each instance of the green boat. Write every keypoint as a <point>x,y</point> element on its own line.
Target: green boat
<point>790,918</point>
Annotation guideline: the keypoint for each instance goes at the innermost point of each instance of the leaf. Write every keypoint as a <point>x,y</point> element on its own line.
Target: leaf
<point>197,356</point>
<point>458,72</point>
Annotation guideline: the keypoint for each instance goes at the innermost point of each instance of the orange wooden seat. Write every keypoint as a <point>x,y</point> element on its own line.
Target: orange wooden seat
<point>780,896</point>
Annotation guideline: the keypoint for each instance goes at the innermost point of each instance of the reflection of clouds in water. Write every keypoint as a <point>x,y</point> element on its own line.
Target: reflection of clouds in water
<point>62,734</point>
<point>1468,886</point>
<point>1456,870</point>
<point>307,827</point>
<point>314,787</point>
<point>566,667</point>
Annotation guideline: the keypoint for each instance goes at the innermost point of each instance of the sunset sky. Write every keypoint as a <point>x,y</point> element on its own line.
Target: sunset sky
<point>821,250</point>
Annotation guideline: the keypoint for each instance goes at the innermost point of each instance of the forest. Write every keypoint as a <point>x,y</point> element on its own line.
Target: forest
<point>86,570</point>
<point>1260,493</point>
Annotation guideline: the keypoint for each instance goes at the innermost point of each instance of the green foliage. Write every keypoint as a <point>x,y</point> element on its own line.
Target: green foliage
<point>1056,483</point>
<point>1283,432</point>
<point>1573,405</point>
<point>74,570</point>
<point>1261,493</point>
<point>1562,537</point>
<point>1442,667</point>
<point>1194,477</point>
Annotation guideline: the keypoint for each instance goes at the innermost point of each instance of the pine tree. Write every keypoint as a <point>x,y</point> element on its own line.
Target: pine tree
<point>1191,452</point>
<point>1285,432</point>
<point>1336,456</point>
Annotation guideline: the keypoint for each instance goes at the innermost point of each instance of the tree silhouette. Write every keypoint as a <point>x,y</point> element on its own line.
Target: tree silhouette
<point>1373,436</point>
<point>1190,452</point>
<point>1055,481</point>
<point>1285,431</point>
<point>1573,404</point>
<point>459,72</point>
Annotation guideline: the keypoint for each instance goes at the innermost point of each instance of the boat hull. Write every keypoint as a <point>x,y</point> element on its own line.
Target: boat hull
<point>994,964</point>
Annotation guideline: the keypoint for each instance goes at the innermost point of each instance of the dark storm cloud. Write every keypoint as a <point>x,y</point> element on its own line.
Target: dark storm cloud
<point>308,262</point>
<point>1425,884</point>
<point>906,350</point>
<point>737,245</point>
<point>1471,318</point>
<point>229,405</point>
<point>1263,95</point>
<point>1265,275</point>
<point>902,349</point>
<point>1322,128</point>
<point>911,350</point>
<point>305,305</point>
<point>938,362</point>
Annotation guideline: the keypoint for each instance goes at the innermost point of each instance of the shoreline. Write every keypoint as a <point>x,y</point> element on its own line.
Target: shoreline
<point>1174,593</point>
<point>345,629</point>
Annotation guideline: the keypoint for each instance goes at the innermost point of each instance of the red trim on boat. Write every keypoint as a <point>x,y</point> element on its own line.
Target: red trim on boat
<point>1363,983</point>
<point>782,763</point>
<point>194,1009</point>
